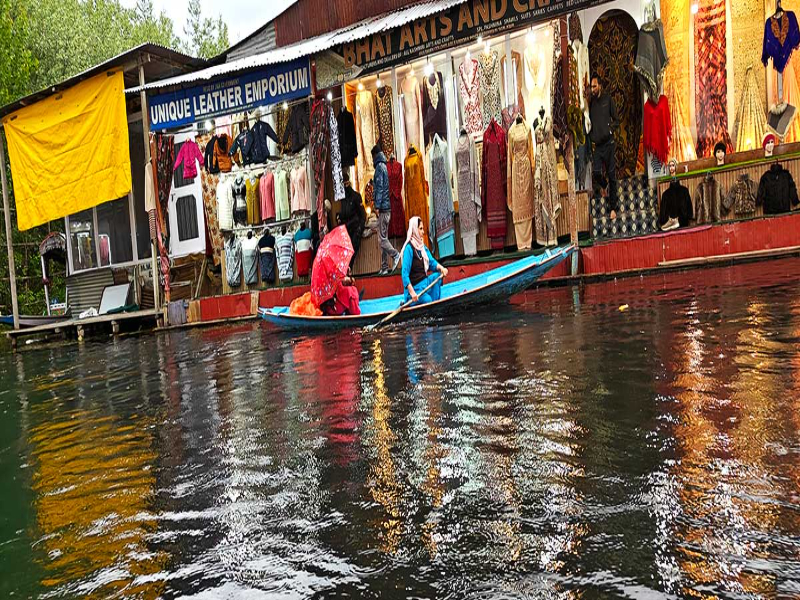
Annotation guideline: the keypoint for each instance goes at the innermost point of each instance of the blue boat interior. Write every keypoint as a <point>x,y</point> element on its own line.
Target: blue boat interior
<point>449,290</point>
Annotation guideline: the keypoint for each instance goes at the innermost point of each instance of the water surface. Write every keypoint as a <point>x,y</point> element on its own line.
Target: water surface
<point>557,448</point>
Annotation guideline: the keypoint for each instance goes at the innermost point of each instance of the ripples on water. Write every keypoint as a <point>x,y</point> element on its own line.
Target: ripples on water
<point>556,449</point>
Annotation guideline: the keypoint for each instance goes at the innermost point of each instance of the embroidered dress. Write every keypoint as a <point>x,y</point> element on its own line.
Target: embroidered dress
<point>517,79</point>
<point>434,112</point>
<point>412,111</point>
<point>366,134</point>
<point>416,190</point>
<point>781,38</point>
<point>442,198</point>
<point>397,224</point>
<point>489,70</point>
<point>520,183</point>
<point>493,184</point>
<point>548,201</point>
<point>469,86</point>
<point>383,96</point>
<point>469,193</point>
<point>538,63</point>
<point>336,156</point>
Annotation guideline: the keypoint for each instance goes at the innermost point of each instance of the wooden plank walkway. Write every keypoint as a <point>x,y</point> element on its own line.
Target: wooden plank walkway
<point>81,327</point>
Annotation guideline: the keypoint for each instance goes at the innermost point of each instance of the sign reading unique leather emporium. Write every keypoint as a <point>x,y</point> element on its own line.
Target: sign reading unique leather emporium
<point>277,83</point>
<point>453,27</point>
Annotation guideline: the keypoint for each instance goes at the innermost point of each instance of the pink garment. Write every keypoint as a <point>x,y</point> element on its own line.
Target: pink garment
<point>188,155</point>
<point>299,186</point>
<point>266,192</point>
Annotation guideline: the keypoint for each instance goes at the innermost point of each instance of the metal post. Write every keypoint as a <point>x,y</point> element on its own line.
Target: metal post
<point>46,285</point>
<point>154,257</point>
<point>12,272</point>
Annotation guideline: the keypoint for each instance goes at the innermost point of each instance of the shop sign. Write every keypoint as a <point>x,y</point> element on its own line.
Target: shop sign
<point>453,27</point>
<point>278,83</point>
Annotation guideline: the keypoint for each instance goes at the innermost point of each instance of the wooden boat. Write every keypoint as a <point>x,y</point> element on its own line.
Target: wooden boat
<point>487,288</point>
<point>26,321</point>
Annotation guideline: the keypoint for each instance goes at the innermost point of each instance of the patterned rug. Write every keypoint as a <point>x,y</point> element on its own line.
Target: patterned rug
<point>711,79</point>
<point>612,54</point>
<point>638,214</point>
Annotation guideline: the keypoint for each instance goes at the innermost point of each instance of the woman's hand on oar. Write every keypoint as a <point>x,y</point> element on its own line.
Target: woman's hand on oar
<point>403,306</point>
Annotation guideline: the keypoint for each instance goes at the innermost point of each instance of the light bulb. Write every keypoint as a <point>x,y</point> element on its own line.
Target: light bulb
<point>429,69</point>
<point>487,48</point>
<point>379,83</point>
<point>468,57</point>
<point>330,96</point>
<point>695,8</point>
<point>749,143</point>
<point>480,39</point>
<point>360,87</point>
<point>209,125</point>
<point>285,105</point>
<point>531,37</point>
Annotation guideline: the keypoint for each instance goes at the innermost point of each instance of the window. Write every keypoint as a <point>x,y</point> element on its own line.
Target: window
<point>81,239</point>
<point>114,232</point>
<point>140,217</point>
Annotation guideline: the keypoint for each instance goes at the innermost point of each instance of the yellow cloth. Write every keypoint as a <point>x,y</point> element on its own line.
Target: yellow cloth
<point>750,115</point>
<point>69,152</point>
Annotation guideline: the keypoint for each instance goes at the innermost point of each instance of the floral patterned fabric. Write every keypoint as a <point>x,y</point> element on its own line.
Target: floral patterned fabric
<point>336,156</point>
<point>469,86</point>
<point>320,137</point>
<point>209,183</point>
<point>383,97</point>
<point>493,183</point>
<point>548,201</point>
<point>489,70</point>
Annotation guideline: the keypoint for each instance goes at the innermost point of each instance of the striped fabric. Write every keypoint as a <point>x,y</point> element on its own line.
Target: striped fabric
<point>284,246</point>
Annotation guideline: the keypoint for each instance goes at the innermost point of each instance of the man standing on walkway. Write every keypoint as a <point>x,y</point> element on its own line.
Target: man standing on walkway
<point>383,209</point>
<point>605,121</point>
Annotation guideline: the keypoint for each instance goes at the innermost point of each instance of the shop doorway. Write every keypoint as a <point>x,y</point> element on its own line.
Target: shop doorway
<point>186,219</point>
<point>612,54</point>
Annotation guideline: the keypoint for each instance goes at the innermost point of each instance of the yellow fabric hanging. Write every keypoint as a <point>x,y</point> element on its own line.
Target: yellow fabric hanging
<point>751,117</point>
<point>69,152</point>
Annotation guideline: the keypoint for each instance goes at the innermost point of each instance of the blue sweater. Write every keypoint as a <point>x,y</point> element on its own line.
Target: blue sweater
<point>381,184</point>
<point>408,257</point>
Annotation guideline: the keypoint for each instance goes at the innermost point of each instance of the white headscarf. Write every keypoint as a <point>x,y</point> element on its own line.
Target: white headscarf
<point>414,238</point>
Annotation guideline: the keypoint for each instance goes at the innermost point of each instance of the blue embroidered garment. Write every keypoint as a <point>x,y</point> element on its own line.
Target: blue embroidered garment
<point>781,37</point>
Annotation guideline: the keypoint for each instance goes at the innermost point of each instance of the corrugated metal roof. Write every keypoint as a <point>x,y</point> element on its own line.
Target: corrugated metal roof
<point>355,32</point>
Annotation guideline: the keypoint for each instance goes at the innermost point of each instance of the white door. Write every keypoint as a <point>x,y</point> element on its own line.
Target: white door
<point>187,223</point>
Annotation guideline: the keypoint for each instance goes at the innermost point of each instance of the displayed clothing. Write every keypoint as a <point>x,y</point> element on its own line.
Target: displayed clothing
<point>711,82</point>
<point>250,260</point>
<point>777,192</point>
<point>302,251</point>
<point>676,203</point>
<point>336,155</point>
<point>266,250</point>
<point>225,203</point>
<point>434,111</point>
<point>398,220</point>
<point>299,189</point>
<point>266,194</point>
<point>242,148</point>
<point>469,193</point>
<point>383,97</point>
<point>282,208</point>
<point>259,151</point>
<point>741,198</point>
<point>580,53</point>
<point>510,114</point>
<point>493,184</point>
<point>416,189</point>
<point>489,71</point>
<point>520,182</point>
<point>708,201</point>
<point>221,157</point>
<point>538,63</point>
<point>518,79</point>
<point>575,117</point>
<point>298,128</point>
<point>284,249</point>
<point>189,155</point>
<point>548,200</point>
<point>233,261</point>
<point>165,159</point>
<point>442,222</point>
<point>782,112</point>
<point>253,207</point>
<point>320,138</point>
<point>366,135</point>
<point>210,165</point>
<point>412,111</point>
<point>210,182</point>
<point>353,217</point>
<point>657,128</point>
<point>559,104</point>
<point>781,38</point>
<point>348,145</point>
<point>239,194</point>
<point>651,58</point>
<point>749,125</point>
<point>281,124</point>
<point>470,89</point>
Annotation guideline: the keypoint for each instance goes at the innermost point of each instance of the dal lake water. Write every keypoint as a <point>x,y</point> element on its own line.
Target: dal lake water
<point>555,448</point>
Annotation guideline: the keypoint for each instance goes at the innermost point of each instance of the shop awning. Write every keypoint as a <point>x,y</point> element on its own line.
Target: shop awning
<point>69,152</point>
<point>309,47</point>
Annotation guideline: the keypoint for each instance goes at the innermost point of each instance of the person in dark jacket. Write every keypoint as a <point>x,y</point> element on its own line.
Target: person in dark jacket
<point>352,215</point>
<point>777,192</point>
<point>603,114</point>
<point>383,209</point>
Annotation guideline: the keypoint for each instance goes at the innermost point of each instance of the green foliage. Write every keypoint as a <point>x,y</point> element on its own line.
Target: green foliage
<point>206,37</point>
<point>16,60</point>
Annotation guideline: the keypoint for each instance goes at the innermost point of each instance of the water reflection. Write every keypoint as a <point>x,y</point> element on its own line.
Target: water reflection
<point>560,448</point>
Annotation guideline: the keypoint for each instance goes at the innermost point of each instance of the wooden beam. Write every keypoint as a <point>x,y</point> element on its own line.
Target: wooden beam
<point>154,258</point>
<point>12,272</point>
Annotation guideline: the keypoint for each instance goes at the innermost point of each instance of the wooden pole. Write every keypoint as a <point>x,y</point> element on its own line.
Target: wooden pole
<point>154,258</point>
<point>12,271</point>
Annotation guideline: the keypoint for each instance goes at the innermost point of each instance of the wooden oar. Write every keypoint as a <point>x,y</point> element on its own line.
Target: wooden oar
<point>391,316</point>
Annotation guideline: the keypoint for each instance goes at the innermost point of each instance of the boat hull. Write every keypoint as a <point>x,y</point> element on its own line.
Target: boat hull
<point>26,321</point>
<point>487,288</point>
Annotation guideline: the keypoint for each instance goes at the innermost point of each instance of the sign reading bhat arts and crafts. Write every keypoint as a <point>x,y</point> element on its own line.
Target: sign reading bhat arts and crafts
<point>277,83</point>
<point>450,28</point>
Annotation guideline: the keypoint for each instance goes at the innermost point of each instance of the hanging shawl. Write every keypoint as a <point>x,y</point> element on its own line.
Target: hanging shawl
<point>165,158</point>
<point>560,127</point>
<point>651,57</point>
<point>682,147</point>
<point>781,37</point>
<point>749,125</point>
<point>575,29</point>
<point>233,261</point>
<point>319,154</point>
<point>336,156</point>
